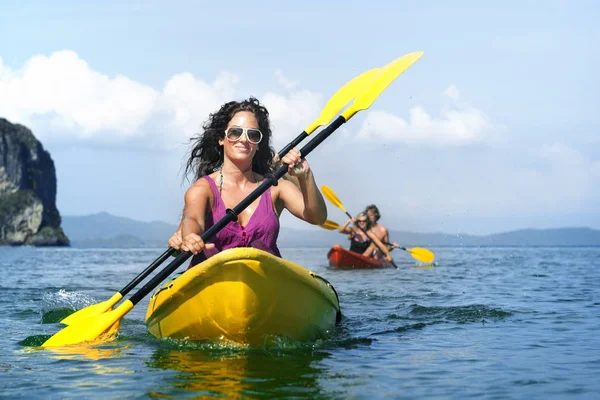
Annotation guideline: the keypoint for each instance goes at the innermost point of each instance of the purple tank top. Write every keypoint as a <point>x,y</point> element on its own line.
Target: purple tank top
<point>261,231</point>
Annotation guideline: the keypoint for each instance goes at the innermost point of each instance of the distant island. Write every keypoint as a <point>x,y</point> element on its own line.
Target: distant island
<point>106,230</point>
<point>28,213</point>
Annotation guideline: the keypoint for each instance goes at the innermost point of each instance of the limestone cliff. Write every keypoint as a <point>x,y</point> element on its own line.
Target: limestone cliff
<point>28,213</point>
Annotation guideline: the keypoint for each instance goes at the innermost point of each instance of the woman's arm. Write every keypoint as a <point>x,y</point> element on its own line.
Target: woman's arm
<point>177,238</point>
<point>344,228</point>
<point>304,201</point>
<point>307,204</point>
<point>193,218</point>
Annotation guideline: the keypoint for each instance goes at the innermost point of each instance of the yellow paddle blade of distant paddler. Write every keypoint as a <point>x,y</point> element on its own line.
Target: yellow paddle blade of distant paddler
<point>341,98</point>
<point>330,195</point>
<point>93,310</point>
<point>100,327</point>
<point>330,225</point>
<point>421,254</point>
<point>380,82</point>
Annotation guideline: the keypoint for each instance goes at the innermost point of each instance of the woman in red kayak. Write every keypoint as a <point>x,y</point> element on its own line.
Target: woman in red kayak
<point>361,239</point>
<point>229,161</point>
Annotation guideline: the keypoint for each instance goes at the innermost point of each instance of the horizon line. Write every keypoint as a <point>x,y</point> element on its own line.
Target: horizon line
<point>310,227</point>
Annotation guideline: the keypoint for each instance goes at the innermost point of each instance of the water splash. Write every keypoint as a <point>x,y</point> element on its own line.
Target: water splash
<point>58,305</point>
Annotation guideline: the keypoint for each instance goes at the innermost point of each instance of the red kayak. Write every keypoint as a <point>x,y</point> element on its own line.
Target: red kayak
<point>341,258</point>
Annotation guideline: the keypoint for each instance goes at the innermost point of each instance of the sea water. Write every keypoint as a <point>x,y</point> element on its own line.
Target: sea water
<point>483,323</point>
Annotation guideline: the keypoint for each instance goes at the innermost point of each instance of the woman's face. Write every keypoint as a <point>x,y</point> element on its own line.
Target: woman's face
<point>241,149</point>
<point>361,222</point>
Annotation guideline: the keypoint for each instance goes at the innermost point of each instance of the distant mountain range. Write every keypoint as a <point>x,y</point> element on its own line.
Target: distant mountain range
<point>105,226</point>
<point>522,237</point>
<point>106,230</point>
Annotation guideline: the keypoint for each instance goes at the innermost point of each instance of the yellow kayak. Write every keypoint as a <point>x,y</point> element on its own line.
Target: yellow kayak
<point>247,296</point>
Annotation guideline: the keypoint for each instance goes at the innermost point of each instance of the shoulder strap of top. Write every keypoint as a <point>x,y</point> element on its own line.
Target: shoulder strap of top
<point>217,201</point>
<point>268,200</point>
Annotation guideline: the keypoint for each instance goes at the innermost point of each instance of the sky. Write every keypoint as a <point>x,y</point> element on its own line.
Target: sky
<point>495,128</point>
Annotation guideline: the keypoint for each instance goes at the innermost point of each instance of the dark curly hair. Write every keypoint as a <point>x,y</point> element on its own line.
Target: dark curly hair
<point>373,208</point>
<point>207,155</point>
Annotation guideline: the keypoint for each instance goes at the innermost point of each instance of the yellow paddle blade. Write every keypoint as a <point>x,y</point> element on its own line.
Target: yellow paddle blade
<point>421,254</point>
<point>380,82</point>
<point>329,195</point>
<point>330,225</point>
<point>341,98</point>
<point>103,327</point>
<point>93,310</point>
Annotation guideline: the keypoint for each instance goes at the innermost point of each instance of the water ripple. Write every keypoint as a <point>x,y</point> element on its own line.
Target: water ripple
<point>482,323</point>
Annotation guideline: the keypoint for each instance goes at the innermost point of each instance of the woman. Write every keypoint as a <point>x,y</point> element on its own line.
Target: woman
<point>230,159</point>
<point>361,239</point>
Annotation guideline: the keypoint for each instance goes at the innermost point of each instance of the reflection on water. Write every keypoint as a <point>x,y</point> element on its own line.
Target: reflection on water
<point>249,372</point>
<point>86,352</point>
<point>86,367</point>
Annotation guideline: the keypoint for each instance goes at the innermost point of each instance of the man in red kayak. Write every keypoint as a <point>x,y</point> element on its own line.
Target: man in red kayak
<point>380,231</point>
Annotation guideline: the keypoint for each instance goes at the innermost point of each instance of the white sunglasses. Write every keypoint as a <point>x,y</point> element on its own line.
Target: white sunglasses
<point>235,134</point>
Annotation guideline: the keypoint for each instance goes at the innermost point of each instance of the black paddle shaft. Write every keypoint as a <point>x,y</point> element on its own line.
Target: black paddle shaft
<point>231,214</point>
<point>147,271</point>
<point>136,281</point>
<point>385,243</point>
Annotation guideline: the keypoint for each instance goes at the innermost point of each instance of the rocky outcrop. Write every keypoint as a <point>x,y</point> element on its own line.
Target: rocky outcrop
<point>28,213</point>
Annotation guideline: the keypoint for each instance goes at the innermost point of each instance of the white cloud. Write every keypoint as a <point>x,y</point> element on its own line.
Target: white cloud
<point>292,113</point>
<point>65,90</point>
<point>452,92</point>
<point>191,100</point>
<point>284,82</point>
<point>62,98</point>
<point>459,124</point>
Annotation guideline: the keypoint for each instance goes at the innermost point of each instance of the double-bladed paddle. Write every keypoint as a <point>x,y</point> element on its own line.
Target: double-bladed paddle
<point>368,90</point>
<point>335,104</point>
<point>418,253</point>
<point>333,199</point>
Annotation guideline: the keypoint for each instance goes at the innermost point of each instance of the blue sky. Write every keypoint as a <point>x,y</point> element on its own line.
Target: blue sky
<point>495,128</point>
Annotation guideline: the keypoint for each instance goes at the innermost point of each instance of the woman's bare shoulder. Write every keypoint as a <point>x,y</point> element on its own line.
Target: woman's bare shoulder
<point>199,188</point>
